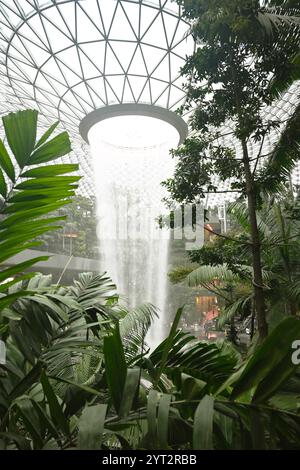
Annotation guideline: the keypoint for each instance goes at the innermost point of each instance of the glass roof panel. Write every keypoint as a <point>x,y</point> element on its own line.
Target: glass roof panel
<point>69,57</point>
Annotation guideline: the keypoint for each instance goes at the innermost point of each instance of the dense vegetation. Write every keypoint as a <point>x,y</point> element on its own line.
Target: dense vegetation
<point>78,372</point>
<point>78,235</point>
<point>247,56</point>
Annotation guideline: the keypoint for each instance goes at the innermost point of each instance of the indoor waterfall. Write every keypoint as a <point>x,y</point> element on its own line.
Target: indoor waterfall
<point>131,158</point>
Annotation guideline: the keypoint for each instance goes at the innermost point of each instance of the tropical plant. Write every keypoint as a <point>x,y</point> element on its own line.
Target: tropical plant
<point>73,385</point>
<point>244,57</point>
<point>30,190</point>
<point>224,266</point>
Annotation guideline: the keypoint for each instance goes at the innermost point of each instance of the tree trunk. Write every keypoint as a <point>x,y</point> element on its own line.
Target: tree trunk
<point>259,300</point>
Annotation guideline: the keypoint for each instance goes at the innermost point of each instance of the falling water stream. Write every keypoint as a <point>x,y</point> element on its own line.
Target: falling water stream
<point>131,158</point>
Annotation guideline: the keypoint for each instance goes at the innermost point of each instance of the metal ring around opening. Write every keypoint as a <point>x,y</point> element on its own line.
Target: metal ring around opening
<point>133,109</point>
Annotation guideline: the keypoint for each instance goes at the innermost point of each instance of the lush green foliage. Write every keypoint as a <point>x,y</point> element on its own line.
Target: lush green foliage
<point>229,261</point>
<point>78,372</point>
<point>29,191</point>
<point>185,394</point>
<point>247,54</point>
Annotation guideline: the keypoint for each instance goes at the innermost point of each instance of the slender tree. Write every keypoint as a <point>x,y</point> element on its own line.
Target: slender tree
<point>247,53</point>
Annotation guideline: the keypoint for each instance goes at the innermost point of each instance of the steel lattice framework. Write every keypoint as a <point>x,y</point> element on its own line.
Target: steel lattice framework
<point>69,57</point>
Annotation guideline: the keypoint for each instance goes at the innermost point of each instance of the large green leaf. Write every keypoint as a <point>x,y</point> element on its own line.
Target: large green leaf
<point>91,427</point>
<point>30,420</point>
<point>115,366</point>
<point>51,182</point>
<point>56,410</point>
<point>20,129</point>
<point>42,193</point>
<point>3,186</point>
<point>50,171</point>
<point>47,134</point>
<point>168,345</point>
<point>152,404</point>
<point>55,148</point>
<point>271,364</point>
<point>20,267</point>
<point>163,420</point>
<point>22,387</point>
<point>24,215</point>
<point>130,391</point>
<point>203,424</point>
<point>6,163</point>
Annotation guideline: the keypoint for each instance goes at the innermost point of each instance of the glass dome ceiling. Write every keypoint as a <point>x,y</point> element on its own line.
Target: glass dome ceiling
<point>70,57</point>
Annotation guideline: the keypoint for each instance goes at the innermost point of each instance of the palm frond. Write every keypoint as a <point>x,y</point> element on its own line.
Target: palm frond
<point>134,327</point>
<point>206,361</point>
<point>236,308</point>
<point>284,156</point>
<point>209,274</point>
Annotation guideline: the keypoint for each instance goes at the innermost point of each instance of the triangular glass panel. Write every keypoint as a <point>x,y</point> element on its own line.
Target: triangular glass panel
<point>176,96</point>
<point>121,29</point>
<point>27,89</point>
<point>162,100</point>
<point>52,70</point>
<point>95,53</point>
<point>156,34</point>
<point>112,65</point>
<point>67,11</point>
<point>89,27</point>
<point>14,18</point>
<point>58,87</point>
<point>67,109</point>
<point>183,48</point>
<point>26,8</point>
<point>39,54</point>
<point>112,98</point>
<point>97,90</point>
<point>89,69</point>
<point>42,96</point>
<point>45,83</point>
<point>26,70</point>
<point>138,84</point>
<point>107,11</point>
<point>128,96</point>
<point>53,16</point>
<point>18,50</point>
<point>162,72</point>
<point>152,56</point>
<point>82,92</point>
<point>171,27</point>
<point>132,11</point>
<point>117,84</point>
<point>146,96</point>
<point>19,54</point>
<point>148,16</point>
<point>34,31</point>
<point>57,38</point>
<point>137,66</point>
<point>70,59</point>
<point>85,105</point>
<point>124,51</point>
<point>6,31</point>
<point>176,64</point>
<point>71,77</point>
<point>181,31</point>
<point>71,99</point>
<point>157,89</point>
